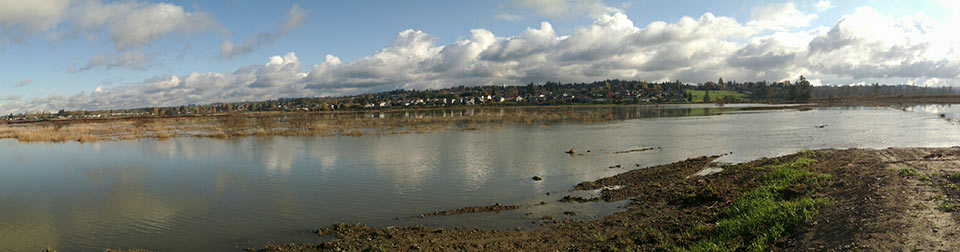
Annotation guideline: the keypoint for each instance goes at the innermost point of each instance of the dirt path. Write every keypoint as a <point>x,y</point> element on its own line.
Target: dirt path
<point>901,199</point>
<point>887,200</point>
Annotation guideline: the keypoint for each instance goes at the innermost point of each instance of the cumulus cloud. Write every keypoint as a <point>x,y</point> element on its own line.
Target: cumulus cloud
<point>23,82</point>
<point>862,46</point>
<point>824,5</point>
<point>153,21</point>
<point>21,18</point>
<point>294,18</point>
<point>779,16</point>
<point>869,44</point>
<point>129,25</point>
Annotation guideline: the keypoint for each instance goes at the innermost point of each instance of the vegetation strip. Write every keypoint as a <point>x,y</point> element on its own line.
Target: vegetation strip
<point>762,215</point>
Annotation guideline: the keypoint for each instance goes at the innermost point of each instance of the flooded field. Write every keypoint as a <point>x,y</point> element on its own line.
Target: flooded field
<point>212,194</point>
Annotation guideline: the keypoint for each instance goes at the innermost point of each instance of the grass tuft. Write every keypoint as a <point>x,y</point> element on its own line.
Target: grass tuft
<point>907,172</point>
<point>954,177</point>
<point>760,216</point>
<point>949,207</point>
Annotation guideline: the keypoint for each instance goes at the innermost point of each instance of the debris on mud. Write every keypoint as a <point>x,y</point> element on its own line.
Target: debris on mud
<point>635,150</point>
<point>578,199</point>
<point>469,210</point>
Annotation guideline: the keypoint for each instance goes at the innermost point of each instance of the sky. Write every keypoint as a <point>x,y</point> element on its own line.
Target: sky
<point>98,54</point>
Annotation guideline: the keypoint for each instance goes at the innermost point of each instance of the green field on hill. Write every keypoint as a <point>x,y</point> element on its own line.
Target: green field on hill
<point>698,95</point>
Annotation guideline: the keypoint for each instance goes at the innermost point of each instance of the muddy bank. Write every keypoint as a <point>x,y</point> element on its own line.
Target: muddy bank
<point>891,199</point>
<point>469,210</point>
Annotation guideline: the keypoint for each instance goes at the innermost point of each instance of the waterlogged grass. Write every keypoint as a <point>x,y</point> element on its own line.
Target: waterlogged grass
<point>760,216</point>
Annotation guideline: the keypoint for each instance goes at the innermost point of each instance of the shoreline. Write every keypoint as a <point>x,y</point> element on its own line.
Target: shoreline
<point>893,199</point>
<point>853,199</point>
<point>326,124</point>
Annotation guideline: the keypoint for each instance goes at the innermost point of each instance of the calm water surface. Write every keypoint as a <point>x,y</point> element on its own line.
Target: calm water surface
<point>205,194</point>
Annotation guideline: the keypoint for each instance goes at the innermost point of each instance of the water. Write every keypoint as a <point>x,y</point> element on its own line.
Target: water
<point>207,194</point>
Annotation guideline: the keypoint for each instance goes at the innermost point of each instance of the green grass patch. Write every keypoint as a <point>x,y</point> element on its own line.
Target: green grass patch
<point>954,177</point>
<point>907,172</point>
<point>698,95</point>
<point>760,216</point>
<point>949,207</point>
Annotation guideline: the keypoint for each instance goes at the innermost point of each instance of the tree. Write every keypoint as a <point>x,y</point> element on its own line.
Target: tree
<point>706,96</point>
<point>804,90</point>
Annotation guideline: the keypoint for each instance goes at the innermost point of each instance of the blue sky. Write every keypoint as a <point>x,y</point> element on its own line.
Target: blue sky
<point>51,51</point>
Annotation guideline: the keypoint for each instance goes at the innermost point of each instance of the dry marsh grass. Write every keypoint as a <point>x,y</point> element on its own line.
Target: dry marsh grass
<point>294,124</point>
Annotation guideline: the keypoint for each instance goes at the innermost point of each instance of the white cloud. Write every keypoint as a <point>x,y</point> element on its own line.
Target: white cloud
<point>863,46</point>
<point>779,16</point>
<point>23,82</point>
<point>824,5</point>
<point>294,18</point>
<point>563,8</point>
<point>20,18</point>
<point>129,59</point>
<point>868,44</point>
<point>509,17</point>
<point>154,21</point>
<point>129,25</point>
